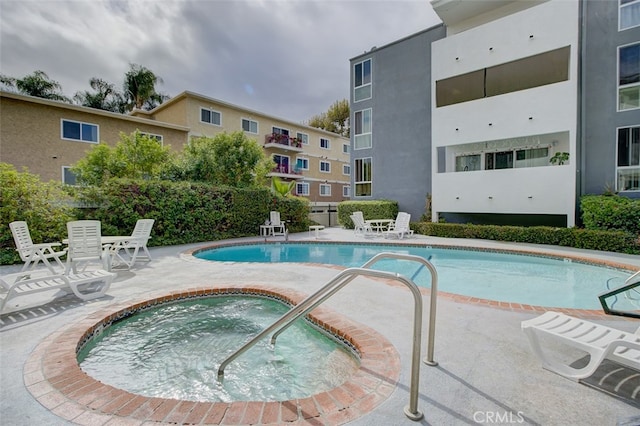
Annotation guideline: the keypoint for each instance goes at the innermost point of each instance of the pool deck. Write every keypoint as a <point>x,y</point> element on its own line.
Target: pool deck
<point>486,372</point>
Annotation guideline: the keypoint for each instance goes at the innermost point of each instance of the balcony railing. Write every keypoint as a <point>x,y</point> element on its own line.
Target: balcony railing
<point>283,140</point>
<point>286,170</point>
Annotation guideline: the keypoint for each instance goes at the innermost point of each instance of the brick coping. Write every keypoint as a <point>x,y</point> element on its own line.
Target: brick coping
<point>54,378</point>
<point>459,298</point>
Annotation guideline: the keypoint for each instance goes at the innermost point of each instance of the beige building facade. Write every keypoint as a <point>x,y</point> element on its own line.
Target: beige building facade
<point>48,137</point>
<point>317,160</point>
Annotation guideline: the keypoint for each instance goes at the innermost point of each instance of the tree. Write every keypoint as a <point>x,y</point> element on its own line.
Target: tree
<point>37,84</point>
<point>135,156</point>
<point>281,187</point>
<point>335,120</point>
<point>106,97</point>
<point>228,159</point>
<point>140,88</point>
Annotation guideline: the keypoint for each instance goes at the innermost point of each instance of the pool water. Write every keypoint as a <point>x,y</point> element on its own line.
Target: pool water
<point>506,277</point>
<point>174,351</point>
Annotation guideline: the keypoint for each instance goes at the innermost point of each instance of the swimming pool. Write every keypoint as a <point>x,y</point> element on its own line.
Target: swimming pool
<point>499,276</point>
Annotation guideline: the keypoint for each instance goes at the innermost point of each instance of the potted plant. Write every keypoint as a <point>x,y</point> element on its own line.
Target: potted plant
<point>559,158</point>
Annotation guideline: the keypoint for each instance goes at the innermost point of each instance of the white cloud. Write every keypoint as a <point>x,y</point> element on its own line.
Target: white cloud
<point>287,58</point>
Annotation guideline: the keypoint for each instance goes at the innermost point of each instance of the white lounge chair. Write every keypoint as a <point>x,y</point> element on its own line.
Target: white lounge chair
<point>598,341</point>
<point>31,254</point>
<point>86,285</point>
<point>400,227</point>
<point>360,227</point>
<point>85,245</point>
<point>277,226</point>
<point>131,247</point>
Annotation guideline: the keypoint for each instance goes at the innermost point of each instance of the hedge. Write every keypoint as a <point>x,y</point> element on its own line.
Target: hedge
<point>379,209</point>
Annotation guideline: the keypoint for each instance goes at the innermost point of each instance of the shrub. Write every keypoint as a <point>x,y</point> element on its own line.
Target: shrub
<point>611,213</point>
<point>378,209</point>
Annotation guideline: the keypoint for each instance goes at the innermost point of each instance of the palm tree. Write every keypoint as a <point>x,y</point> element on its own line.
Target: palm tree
<point>105,97</point>
<point>37,84</point>
<point>140,88</point>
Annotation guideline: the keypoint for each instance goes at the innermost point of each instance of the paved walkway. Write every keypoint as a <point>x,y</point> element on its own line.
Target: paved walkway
<point>486,372</point>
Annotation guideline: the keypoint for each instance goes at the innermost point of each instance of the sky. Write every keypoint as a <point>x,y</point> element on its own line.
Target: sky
<point>286,58</point>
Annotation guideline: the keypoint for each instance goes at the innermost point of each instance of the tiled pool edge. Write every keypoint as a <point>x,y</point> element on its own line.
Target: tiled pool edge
<point>53,377</point>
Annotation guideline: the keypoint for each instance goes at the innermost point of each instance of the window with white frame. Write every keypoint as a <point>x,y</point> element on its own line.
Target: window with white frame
<point>346,169</point>
<point>302,188</point>
<point>362,178</point>
<point>628,170</point>
<point>325,190</point>
<point>362,80</point>
<point>629,77</point>
<point>303,137</point>
<point>249,126</point>
<point>159,138</point>
<point>345,148</point>
<point>629,14</point>
<point>279,131</point>
<point>282,163</point>
<point>79,131</point>
<point>325,166</point>
<point>68,177</point>
<point>362,129</point>
<point>325,143</point>
<point>302,163</point>
<point>210,116</point>
<point>346,191</point>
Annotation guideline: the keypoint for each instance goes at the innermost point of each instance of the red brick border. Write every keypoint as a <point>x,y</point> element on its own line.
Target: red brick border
<point>53,376</point>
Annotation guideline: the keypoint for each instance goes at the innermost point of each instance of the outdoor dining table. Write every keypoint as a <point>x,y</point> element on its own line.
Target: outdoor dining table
<point>380,225</point>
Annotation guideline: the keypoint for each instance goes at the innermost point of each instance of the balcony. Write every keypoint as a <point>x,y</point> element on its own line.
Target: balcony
<point>276,140</point>
<point>286,172</point>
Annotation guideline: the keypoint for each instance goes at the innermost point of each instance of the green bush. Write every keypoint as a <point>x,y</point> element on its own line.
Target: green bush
<point>611,213</point>
<point>188,212</point>
<point>378,209</point>
<point>44,206</point>
<point>613,241</point>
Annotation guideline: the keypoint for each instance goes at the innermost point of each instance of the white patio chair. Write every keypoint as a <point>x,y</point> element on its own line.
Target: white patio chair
<point>360,227</point>
<point>131,247</point>
<point>278,227</point>
<point>85,245</point>
<point>400,227</point>
<point>31,254</point>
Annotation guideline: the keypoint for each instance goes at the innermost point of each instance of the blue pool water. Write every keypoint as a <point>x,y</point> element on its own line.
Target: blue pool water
<point>506,277</point>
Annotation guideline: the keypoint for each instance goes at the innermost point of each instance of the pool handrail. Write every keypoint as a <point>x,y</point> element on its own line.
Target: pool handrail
<point>341,280</point>
<point>629,284</point>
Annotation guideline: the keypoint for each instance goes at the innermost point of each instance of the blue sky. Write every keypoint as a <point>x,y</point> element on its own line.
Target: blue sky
<point>288,58</point>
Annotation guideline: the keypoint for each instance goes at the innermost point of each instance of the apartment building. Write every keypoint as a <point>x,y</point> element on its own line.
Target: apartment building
<point>525,107</point>
<point>48,137</point>
<point>317,160</point>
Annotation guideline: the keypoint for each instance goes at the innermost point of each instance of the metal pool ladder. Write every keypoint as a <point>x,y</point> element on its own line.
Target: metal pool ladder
<point>341,280</point>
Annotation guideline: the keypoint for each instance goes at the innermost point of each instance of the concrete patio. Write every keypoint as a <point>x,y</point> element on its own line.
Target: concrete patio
<point>486,372</point>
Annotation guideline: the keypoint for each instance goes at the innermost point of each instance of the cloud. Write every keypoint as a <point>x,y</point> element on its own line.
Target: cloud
<point>286,58</point>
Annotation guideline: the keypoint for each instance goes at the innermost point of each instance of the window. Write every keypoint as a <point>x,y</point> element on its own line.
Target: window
<point>153,136</point>
<point>325,166</point>
<point>325,190</point>
<point>534,157</point>
<point>249,126</point>
<point>362,80</point>
<point>629,77</point>
<point>302,188</point>
<point>526,73</point>
<point>210,116</point>
<point>362,178</point>
<point>629,14</point>
<point>303,137</point>
<point>324,143</point>
<point>282,163</point>
<point>78,131</point>
<point>346,191</point>
<point>68,177</point>
<point>346,169</point>
<point>628,171</point>
<point>345,148</point>
<point>362,129</point>
<point>279,131</point>
<point>302,163</point>
<point>498,160</point>
<point>468,163</point>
